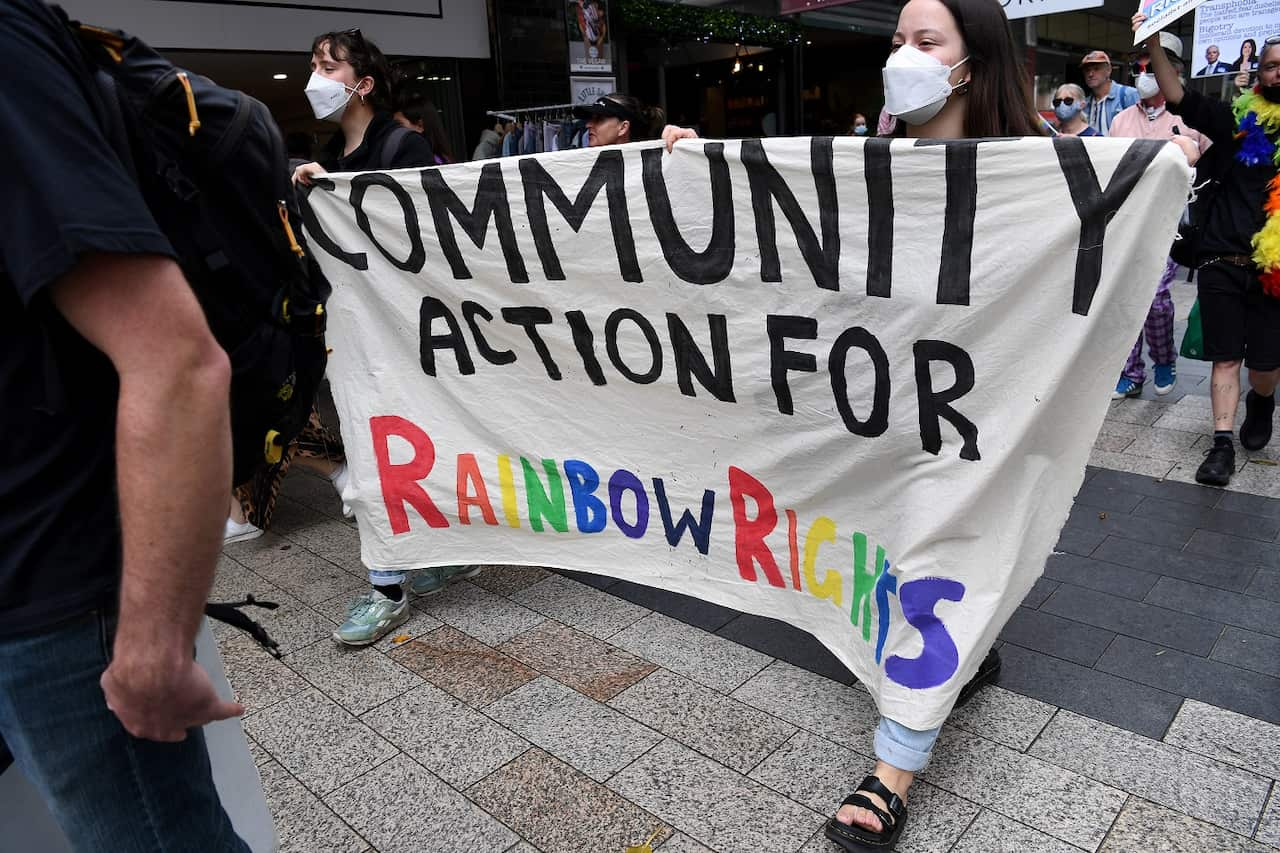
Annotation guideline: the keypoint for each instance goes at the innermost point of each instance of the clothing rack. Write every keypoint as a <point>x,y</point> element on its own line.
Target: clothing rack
<point>513,114</point>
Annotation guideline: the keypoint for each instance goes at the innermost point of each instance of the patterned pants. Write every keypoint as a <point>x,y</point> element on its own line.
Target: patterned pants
<point>1158,329</point>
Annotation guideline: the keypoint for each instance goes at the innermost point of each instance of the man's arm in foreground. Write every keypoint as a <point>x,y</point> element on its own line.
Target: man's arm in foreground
<point>173,459</point>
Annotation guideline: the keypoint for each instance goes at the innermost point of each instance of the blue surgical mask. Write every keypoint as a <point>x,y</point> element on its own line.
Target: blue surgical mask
<point>860,129</point>
<point>1066,112</point>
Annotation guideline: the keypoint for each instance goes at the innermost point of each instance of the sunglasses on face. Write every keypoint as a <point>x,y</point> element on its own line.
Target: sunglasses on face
<point>1057,102</point>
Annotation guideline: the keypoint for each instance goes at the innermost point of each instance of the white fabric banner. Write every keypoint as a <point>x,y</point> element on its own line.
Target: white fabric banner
<point>847,384</point>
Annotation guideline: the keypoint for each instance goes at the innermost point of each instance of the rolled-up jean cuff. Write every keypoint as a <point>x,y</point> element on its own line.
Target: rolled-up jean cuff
<point>904,748</point>
<point>387,577</point>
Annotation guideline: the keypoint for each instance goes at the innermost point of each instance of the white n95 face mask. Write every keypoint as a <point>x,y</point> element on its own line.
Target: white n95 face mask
<point>329,98</point>
<point>1147,86</point>
<point>916,85</point>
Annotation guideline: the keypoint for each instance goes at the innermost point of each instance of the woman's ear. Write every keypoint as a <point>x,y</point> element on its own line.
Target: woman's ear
<point>364,86</point>
<point>624,128</point>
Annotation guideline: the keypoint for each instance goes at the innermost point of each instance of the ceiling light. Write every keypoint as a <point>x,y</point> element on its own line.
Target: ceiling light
<point>279,76</point>
<point>422,76</point>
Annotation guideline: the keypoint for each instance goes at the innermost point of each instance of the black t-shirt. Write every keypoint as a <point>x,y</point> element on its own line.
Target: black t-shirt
<point>413,152</point>
<point>66,195</point>
<point>1236,214</point>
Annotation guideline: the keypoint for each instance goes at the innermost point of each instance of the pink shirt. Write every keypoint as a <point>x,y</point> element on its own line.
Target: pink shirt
<point>1132,123</point>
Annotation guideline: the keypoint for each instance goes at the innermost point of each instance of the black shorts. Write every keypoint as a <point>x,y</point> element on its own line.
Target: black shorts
<point>1240,322</point>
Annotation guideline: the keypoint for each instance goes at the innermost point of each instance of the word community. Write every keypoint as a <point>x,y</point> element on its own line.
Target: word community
<point>820,248</point>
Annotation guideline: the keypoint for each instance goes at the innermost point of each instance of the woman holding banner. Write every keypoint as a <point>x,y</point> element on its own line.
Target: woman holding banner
<point>953,73</point>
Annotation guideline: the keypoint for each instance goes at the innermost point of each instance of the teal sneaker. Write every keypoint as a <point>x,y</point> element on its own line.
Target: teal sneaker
<point>428,581</point>
<point>370,617</point>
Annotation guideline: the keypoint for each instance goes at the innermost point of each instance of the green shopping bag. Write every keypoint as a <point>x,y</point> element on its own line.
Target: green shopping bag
<point>1193,338</point>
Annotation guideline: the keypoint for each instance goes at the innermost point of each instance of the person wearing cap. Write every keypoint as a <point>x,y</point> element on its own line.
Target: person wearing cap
<point>1237,250</point>
<point>1106,97</point>
<point>615,119</point>
<point>1149,119</point>
<point>1212,63</point>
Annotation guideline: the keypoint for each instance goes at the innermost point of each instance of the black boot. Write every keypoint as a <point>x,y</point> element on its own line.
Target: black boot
<point>1255,432</point>
<point>1219,463</point>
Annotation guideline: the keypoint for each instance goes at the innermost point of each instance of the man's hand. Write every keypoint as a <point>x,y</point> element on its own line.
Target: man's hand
<point>159,699</point>
<point>306,172</point>
<point>671,134</point>
<point>1189,148</point>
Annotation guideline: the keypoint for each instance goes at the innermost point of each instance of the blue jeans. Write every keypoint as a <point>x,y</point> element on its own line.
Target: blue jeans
<point>107,789</point>
<point>904,748</point>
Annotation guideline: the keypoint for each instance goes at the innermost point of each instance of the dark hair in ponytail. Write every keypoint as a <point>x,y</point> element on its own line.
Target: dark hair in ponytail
<point>367,61</point>
<point>998,101</point>
<point>650,120</point>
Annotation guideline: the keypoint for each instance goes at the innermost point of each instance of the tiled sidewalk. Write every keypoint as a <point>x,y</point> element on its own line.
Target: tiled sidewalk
<point>528,711</point>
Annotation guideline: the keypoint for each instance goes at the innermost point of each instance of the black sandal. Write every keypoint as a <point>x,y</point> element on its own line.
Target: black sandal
<point>987,672</point>
<point>857,839</point>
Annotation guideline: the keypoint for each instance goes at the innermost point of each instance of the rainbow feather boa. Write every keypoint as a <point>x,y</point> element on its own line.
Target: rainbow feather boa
<point>1257,133</point>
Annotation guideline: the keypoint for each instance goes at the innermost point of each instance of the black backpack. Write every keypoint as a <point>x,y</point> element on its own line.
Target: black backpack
<point>212,168</point>
<point>1210,169</point>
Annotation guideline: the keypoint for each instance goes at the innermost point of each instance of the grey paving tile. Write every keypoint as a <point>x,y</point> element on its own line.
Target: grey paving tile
<point>1163,489</point>
<point>260,755</point>
<point>523,847</point>
<point>318,741</point>
<point>1120,701</point>
<point>1258,478</point>
<point>506,580</point>
<point>1259,505</point>
<point>580,606</point>
<point>714,661</point>
<point>457,743</point>
<point>1066,805</point>
<point>256,553</point>
<point>1229,737</point>
<point>1108,498</point>
<point>420,622</point>
<point>1224,547</point>
<point>1079,542</point>
<point>334,540</point>
<point>736,735</point>
<point>1132,464</point>
<point>1249,650</point>
<point>1119,429</point>
<point>292,625</point>
<point>1243,611</point>
<point>1205,518</point>
<point>1096,574</point>
<point>683,844</point>
<point>563,811</point>
<point>490,618</point>
<point>1265,584</point>
<point>992,832</point>
<point>588,665</point>
<point>403,806</point>
<point>578,730</point>
<point>691,611</point>
<point>257,679</point>
<point>1143,412</point>
<point>232,581</point>
<point>1003,716</point>
<point>1151,828</point>
<point>818,773</point>
<point>1158,443</point>
<point>786,642</point>
<point>1042,589</point>
<point>1172,628</point>
<point>1054,635</point>
<point>1111,443</point>
<point>1209,681</point>
<point>357,679</point>
<point>837,711</point>
<point>310,578</point>
<point>1178,564</point>
<point>717,807</point>
<point>303,823</point>
<point>1182,780</point>
<point>1269,826</point>
<point>1153,532</point>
